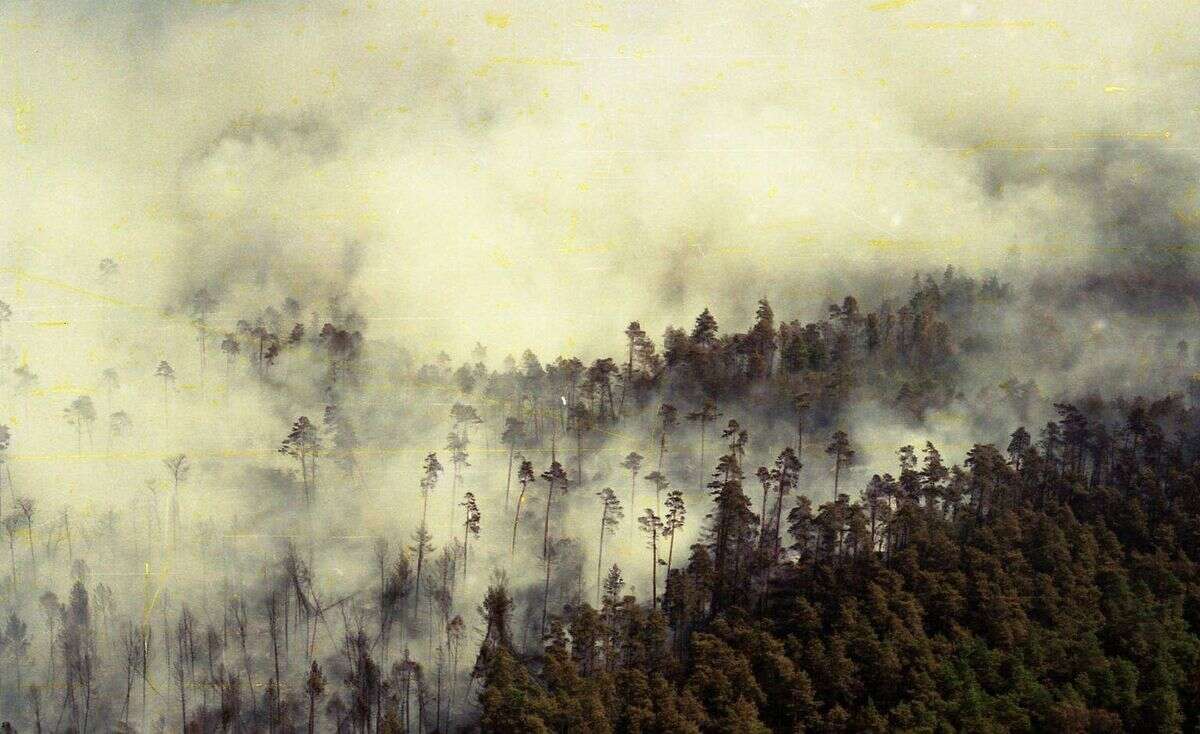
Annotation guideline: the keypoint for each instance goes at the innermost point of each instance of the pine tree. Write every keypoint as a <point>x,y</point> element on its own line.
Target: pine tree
<point>843,455</point>
<point>636,336</point>
<point>610,517</point>
<point>525,476</point>
<point>555,476</point>
<point>707,414</point>
<point>633,464</point>
<point>651,525</point>
<point>456,444</point>
<point>704,333</point>
<point>731,531</point>
<point>432,471</point>
<point>660,482</point>
<point>673,522</point>
<point>303,443</point>
<point>167,374</point>
<point>666,423</point>
<point>470,524</point>
<point>1018,444</point>
<point>514,433</point>
<point>177,466</point>
<point>81,413</point>
<point>786,477</point>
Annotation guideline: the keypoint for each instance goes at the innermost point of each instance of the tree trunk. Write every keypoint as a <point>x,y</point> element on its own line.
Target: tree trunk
<point>632,494</point>
<point>508,480</point>
<point>762,531</point>
<point>653,572</point>
<point>546,529</point>
<point>516,520</point>
<point>32,556</point>
<point>670,552</point>
<point>466,537</point>
<point>778,521</point>
<point>837,470</point>
<point>545,598</point>
<point>600,554</point>
<point>145,673</point>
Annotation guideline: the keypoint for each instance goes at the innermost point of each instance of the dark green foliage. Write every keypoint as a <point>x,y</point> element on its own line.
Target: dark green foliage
<point>1055,589</point>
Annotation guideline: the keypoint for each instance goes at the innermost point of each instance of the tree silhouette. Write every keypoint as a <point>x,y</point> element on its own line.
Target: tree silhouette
<point>672,523</point>
<point>167,373</point>
<point>525,475</point>
<point>200,305</point>
<point>12,523</point>
<point>1018,444</point>
<point>177,467</point>
<point>26,506</point>
<point>704,333</point>
<point>636,335</point>
<point>599,377</point>
<point>843,455</point>
<point>667,421</point>
<point>263,343</point>
<point>610,518</point>
<point>456,444</point>
<point>230,348</point>
<point>580,420</point>
<point>933,474</point>
<point>514,433</point>
<point>731,529</point>
<point>343,439</point>
<point>470,524</point>
<point>81,413</point>
<point>767,481</point>
<point>432,471</point>
<point>303,443</point>
<point>26,381</point>
<point>463,417</point>
<point>786,476</point>
<point>651,525</point>
<point>555,476</point>
<point>660,482</point>
<point>108,268</point>
<point>707,414</point>
<point>802,403</point>
<point>111,382</point>
<point>633,464</point>
<point>761,341</point>
<point>314,688</point>
<point>17,640</point>
<point>737,438</point>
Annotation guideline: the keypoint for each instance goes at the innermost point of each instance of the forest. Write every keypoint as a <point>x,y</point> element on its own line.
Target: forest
<point>844,524</point>
<point>592,367</point>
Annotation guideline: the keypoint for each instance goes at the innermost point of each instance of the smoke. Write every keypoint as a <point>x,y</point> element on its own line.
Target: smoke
<point>525,176</point>
<point>465,170</point>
